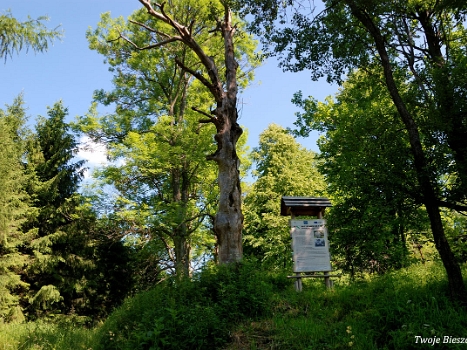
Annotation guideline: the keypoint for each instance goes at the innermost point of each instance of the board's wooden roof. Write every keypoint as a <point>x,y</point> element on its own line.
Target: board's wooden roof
<point>304,205</point>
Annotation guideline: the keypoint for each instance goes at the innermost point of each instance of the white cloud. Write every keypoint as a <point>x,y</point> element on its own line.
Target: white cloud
<point>95,154</point>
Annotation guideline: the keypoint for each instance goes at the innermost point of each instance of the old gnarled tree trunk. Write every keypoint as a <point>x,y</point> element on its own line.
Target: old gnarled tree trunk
<point>228,222</point>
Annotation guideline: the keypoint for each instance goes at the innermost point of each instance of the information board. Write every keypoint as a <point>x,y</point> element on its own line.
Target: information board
<point>310,245</point>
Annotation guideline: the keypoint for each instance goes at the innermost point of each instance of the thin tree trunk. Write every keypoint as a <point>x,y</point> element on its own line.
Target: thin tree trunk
<point>180,196</point>
<point>454,274</point>
<point>182,256</point>
<point>450,120</point>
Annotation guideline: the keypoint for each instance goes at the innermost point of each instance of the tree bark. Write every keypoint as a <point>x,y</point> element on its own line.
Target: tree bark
<point>430,200</point>
<point>182,256</point>
<point>228,222</point>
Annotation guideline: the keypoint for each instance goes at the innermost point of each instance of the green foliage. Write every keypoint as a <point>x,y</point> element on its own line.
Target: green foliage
<point>456,225</point>
<point>45,335</point>
<point>166,188</point>
<point>377,214</point>
<point>194,314</point>
<point>384,312</point>
<point>55,256</point>
<point>15,207</point>
<point>58,148</point>
<point>53,185</point>
<point>71,263</point>
<point>161,173</point>
<point>378,312</point>
<point>283,168</point>
<point>16,36</point>
<point>110,278</point>
<point>366,159</point>
<point>411,42</point>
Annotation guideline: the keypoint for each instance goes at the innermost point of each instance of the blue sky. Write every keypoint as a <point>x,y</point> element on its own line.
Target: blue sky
<point>71,72</point>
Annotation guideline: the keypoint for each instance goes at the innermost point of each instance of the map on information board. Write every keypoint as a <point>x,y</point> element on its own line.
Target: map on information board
<point>310,245</point>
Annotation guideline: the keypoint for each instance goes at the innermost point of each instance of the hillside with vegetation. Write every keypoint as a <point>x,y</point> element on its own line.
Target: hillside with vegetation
<point>177,242</point>
<point>245,307</point>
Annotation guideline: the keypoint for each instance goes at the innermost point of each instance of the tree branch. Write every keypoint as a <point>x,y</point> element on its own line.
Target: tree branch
<point>211,118</point>
<point>197,75</point>
<point>160,43</point>
<point>215,86</point>
<point>453,206</point>
<point>152,30</point>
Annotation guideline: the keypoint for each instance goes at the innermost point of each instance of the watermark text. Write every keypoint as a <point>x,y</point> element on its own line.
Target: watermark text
<point>447,339</point>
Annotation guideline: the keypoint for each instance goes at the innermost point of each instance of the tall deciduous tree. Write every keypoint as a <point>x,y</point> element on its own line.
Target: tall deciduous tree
<point>175,44</point>
<point>156,136</point>
<point>367,163</point>
<point>426,39</point>
<point>283,168</point>
<point>31,34</point>
<point>228,221</point>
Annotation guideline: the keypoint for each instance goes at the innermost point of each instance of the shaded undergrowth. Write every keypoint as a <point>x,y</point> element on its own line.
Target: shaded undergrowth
<point>244,307</point>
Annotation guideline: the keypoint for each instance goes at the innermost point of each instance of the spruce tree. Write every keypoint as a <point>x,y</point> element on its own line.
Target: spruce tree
<point>53,270</point>
<point>79,265</point>
<point>14,209</point>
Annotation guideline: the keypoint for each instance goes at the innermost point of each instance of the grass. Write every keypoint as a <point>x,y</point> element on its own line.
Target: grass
<point>41,335</point>
<point>246,308</point>
<point>383,312</point>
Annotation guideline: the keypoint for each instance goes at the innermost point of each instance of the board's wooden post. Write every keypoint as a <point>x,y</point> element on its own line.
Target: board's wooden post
<point>298,283</point>
<point>327,280</point>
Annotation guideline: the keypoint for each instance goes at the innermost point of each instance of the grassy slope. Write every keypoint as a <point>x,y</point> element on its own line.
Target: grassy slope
<point>246,309</point>
<point>385,312</point>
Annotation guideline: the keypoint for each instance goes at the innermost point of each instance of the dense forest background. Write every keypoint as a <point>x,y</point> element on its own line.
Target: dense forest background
<point>392,153</point>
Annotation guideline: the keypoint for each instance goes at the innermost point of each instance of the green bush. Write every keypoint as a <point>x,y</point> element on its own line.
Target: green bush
<point>189,314</point>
